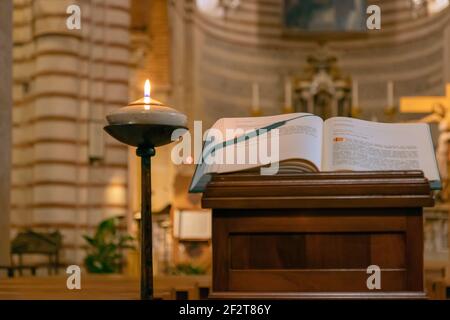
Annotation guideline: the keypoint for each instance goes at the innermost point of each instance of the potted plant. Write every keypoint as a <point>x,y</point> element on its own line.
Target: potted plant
<point>105,248</point>
<point>186,269</point>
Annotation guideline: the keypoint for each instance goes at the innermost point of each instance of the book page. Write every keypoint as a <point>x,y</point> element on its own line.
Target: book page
<point>248,123</point>
<point>300,137</point>
<point>358,145</point>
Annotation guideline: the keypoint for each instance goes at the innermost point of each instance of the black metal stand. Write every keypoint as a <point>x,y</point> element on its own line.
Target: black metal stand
<point>145,153</point>
<point>145,137</point>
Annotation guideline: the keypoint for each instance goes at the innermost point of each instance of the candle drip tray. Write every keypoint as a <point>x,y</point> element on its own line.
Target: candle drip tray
<point>136,134</point>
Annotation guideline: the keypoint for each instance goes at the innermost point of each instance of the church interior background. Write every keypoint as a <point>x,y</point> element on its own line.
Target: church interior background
<point>61,175</point>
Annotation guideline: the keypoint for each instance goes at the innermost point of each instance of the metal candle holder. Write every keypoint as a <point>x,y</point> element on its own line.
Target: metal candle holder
<point>145,124</point>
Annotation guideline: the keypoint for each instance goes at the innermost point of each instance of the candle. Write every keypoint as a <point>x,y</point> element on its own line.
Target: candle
<point>390,94</point>
<point>255,97</point>
<point>147,111</point>
<point>288,93</point>
<point>147,88</point>
<point>355,93</point>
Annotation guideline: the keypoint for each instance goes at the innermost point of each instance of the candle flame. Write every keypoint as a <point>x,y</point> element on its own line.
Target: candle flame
<point>189,160</point>
<point>147,88</point>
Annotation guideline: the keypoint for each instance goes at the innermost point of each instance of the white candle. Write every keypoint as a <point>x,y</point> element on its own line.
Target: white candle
<point>390,94</point>
<point>355,94</point>
<point>255,97</point>
<point>147,111</point>
<point>288,93</point>
<point>147,89</point>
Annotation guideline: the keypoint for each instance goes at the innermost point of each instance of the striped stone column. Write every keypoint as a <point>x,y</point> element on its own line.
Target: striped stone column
<point>5,125</point>
<point>68,175</point>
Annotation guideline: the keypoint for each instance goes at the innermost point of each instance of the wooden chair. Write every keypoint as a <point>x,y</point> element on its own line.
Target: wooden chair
<point>10,270</point>
<point>435,273</point>
<point>436,289</point>
<point>185,287</point>
<point>31,242</point>
<point>164,295</point>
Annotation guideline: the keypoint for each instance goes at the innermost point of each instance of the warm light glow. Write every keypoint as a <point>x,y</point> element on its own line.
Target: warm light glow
<point>189,160</point>
<point>424,104</point>
<point>147,88</point>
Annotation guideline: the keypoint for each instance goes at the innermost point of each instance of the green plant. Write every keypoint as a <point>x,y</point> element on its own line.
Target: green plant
<point>105,248</point>
<point>186,269</point>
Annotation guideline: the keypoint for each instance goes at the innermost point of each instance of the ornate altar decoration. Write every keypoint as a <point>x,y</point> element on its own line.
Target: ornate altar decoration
<point>439,109</point>
<point>323,89</point>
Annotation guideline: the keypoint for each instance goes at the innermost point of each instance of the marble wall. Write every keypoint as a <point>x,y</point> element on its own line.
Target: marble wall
<point>5,125</point>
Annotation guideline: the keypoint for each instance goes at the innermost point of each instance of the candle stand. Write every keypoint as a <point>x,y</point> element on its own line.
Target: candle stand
<point>145,124</point>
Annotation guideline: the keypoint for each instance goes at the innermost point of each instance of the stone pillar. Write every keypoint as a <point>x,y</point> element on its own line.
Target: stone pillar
<point>5,125</point>
<point>68,174</point>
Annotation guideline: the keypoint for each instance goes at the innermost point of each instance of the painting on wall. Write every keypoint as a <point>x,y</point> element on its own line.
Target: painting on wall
<point>325,15</point>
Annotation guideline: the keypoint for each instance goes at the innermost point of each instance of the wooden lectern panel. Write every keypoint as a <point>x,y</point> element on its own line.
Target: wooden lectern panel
<point>315,235</point>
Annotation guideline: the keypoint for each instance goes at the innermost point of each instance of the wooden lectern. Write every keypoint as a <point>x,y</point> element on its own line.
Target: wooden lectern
<point>314,235</point>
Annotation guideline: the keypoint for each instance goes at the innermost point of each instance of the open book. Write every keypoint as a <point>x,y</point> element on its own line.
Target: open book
<point>302,142</point>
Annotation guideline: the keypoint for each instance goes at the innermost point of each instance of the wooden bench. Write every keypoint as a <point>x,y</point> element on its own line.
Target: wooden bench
<point>435,284</point>
<point>10,270</point>
<point>436,289</point>
<point>185,287</point>
<point>101,287</point>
